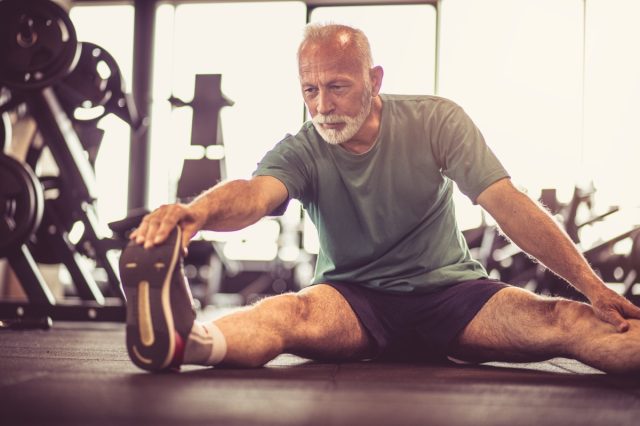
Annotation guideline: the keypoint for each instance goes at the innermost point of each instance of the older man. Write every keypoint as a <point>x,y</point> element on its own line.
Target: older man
<point>394,276</point>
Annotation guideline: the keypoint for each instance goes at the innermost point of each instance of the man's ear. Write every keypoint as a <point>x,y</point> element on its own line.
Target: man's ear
<point>376,73</point>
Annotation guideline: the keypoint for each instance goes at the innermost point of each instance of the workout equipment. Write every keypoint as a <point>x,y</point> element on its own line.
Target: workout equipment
<point>41,323</point>
<point>620,268</point>
<point>38,44</point>
<point>612,267</point>
<point>21,204</point>
<point>92,90</point>
<point>205,262</point>
<point>200,174</point>
<point>95,88</point>
<point>73,203</point>
<point>52,219</point>
<point>208,269</point>
<point>507,262</point>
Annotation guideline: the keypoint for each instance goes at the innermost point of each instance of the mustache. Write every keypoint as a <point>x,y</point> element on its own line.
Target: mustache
<point>329,119</point>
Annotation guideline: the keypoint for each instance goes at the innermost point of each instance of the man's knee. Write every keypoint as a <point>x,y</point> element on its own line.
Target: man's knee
<point>314,311</point>
<point>302,307</point>
<point>570,315</point>
<point>295,307</point>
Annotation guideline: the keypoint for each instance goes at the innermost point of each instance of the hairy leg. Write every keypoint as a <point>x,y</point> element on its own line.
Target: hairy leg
<point>518,326</point>
<point>316,323</point>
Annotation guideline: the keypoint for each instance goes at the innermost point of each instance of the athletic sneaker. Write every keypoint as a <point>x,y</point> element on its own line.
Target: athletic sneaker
<point>160,310</point>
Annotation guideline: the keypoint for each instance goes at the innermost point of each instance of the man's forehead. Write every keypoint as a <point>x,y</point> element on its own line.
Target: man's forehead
<point>324,59</point>
<point>327,72</point>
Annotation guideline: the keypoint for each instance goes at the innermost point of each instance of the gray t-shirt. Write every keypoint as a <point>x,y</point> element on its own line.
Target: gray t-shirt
<point>385,218</point>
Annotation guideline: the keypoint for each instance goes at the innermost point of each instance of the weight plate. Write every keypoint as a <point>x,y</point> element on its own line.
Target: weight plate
<point>43,241</point>
<point>38,44</point>
<point>94,88</point>
<point>85,92</point>
<point>21,204</point>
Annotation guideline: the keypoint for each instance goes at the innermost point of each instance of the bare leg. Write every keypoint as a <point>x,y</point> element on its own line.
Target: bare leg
<point>316,322</point>
<point>518,326</point>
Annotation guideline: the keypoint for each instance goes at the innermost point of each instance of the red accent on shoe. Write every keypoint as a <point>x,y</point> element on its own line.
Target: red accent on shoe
<point>178,353</point>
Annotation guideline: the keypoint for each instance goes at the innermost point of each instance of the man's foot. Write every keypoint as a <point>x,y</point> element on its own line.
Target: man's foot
<point>160,311</point>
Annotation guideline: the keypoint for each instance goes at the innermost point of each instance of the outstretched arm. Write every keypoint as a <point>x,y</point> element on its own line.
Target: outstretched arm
<point>227,206</point>
<point>532,229</point>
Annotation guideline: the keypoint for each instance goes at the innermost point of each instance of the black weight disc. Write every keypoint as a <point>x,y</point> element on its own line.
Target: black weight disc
<point>21,204</point>
<point>42,242</point>
<point>94,88</point>
<point>38,44</point>
<point>634,254</point>
<point>86,90</point>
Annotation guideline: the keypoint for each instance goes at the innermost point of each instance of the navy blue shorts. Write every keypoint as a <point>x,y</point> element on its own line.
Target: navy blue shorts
<point>417,326</point>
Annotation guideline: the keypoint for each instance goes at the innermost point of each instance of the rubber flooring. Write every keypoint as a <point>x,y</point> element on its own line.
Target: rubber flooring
<point>79,374</point>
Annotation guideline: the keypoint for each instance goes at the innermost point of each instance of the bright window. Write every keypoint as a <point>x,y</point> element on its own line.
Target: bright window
<point>95,24</point>
<point>516,68</point>
<point>253,46</point>
<point>612,100</point>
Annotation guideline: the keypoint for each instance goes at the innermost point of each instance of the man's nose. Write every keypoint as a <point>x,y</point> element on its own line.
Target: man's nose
<point>325,103</point>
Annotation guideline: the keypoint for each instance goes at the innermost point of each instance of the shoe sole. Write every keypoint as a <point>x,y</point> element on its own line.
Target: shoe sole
<point>146,277</point>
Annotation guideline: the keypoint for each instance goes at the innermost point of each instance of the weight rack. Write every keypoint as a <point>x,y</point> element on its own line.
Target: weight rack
<point>45,69</point>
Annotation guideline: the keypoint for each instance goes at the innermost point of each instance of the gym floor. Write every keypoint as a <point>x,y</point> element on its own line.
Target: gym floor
<point>79,373</point>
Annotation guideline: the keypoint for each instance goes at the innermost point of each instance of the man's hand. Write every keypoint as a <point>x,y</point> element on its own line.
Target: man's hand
<point>614,309</point>
<point>156,226</point>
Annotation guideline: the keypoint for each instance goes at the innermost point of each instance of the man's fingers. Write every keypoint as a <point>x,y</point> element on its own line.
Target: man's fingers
<point>613,317</point>
<point>186,238</point>
<point>163,231</point>
<point>173,215</point>
<point>157,225</point>
<point>140,232</point>
<point>623,327</point>
<point>620,323</point>
<point>150,236</point>
<point>616,310</point>
<point>631,310</point>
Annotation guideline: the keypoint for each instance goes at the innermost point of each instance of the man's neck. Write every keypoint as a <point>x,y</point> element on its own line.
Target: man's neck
<point>366,137</point>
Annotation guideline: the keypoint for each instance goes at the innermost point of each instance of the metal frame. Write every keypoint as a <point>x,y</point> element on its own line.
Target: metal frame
<point>77,185</point>
<point>143,34</point>
<point>67,311</point>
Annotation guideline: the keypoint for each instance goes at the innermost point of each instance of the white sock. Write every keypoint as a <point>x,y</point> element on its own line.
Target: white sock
<point>206,345</point>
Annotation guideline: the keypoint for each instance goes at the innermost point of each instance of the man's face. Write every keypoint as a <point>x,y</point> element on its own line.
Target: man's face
<point>337,92</point>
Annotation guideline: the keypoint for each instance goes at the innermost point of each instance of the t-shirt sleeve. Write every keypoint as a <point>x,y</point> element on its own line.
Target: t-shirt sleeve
<point>286,162</point>
<point>463,154</point>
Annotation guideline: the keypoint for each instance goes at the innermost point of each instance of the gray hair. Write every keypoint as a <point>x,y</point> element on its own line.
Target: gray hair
<point>356,38</point>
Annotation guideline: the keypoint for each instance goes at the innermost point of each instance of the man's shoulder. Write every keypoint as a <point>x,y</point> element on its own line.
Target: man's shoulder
<point>431,102</point>
<point>304,142</point>
<point>301,137</point>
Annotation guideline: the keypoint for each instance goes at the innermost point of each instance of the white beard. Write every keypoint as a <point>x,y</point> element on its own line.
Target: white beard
<point>351,124</point>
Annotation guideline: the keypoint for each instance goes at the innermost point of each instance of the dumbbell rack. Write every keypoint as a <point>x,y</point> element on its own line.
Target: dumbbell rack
<point>45,68</point>
<point>77,183</point>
